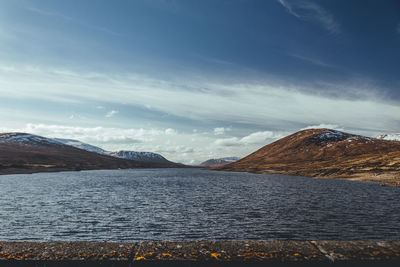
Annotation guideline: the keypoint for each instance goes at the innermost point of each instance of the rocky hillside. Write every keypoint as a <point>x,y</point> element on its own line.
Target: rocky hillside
<point>218,162</point>
<point>27,153</point>
<point>326,153</point>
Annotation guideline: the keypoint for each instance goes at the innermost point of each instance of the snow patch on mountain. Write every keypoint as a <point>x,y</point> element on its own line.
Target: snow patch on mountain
<point>30,139</point>
<point>331,136</point>
<point>391,137</point>
<point>231,159</point>
<point>81,145</point>
<point>219,161</point>
<point>24,138</point>
<point>139,156</point>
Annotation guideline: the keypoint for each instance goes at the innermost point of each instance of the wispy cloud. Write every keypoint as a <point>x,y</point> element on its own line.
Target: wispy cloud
<point>311,11</point>
<point>51,13</point>
<point>111,113</point>
<point>289,7</point>
<point>313,61</point>
<point>170,5</point>
<point>277,102</point>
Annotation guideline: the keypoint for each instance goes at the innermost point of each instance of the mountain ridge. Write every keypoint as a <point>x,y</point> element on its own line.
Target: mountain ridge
<point>326,153</point>
<point>218,161</point>
<point>27,138</point>
<point>28,153</point>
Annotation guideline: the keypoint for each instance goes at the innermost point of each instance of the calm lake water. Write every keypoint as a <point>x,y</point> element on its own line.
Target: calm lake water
<point>190,204</point>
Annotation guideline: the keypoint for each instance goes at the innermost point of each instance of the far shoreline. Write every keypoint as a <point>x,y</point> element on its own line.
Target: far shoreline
<point>384,179</point>
<point>16,171</point>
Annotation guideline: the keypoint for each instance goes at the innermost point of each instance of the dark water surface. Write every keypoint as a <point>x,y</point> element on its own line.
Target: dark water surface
<point>189,204</point>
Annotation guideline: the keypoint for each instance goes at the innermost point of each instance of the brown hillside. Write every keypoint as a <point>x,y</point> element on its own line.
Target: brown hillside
<point>326,153</point>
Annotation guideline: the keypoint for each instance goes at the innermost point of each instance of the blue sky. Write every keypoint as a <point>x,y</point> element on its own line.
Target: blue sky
<point>194,80</point>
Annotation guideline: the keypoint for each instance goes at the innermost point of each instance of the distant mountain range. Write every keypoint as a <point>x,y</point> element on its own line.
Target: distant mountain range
<point>326,153</point>
<point>123,154</point>
<point>26,153</point>
<point>322,153</point>
<point>140,156</point>
<point>218,162</point>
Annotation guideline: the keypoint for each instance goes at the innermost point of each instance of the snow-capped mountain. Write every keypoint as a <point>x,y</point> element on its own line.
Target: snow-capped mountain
<point>29,139</point>
<point>328,137</point>
<point>231,159</point>
<point>218,162</point>
<point>131,155</point>
<point>393,137</point>
<point>81,145</point>
<point>140,156</point>
<point>28,153</point>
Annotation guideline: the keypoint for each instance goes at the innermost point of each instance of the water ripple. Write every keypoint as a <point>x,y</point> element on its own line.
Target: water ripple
<point>192,204</point>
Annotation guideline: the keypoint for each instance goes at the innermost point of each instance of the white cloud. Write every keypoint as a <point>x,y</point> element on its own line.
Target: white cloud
<point>96,135</point>
<point>260,137</point>
<point>233,141</point>
<point>218,131</point>
<point>308,10</point>
<point>170,131</point>
<point>324,126</point>
<point>256,138</point>
<point>221,130</point>
<point>111,113</point>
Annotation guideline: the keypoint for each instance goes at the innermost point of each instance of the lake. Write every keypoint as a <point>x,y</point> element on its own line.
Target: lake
<point>192,204</point>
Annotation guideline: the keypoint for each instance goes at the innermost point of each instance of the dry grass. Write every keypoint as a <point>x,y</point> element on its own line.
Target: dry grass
<point>304,154</point>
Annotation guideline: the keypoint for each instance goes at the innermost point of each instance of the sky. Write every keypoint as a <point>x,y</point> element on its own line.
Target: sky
<point>194,80</point>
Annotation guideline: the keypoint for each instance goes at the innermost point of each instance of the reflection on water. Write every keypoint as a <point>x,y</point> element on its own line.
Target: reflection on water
<point>189,204</point>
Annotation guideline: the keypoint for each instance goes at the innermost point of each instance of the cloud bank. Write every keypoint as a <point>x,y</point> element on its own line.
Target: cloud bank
<point>267,103</point>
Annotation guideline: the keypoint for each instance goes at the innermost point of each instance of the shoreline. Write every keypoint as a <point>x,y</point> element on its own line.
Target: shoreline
<point>53,170</point>
<point>201,253</point>
<point>385,179</point>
